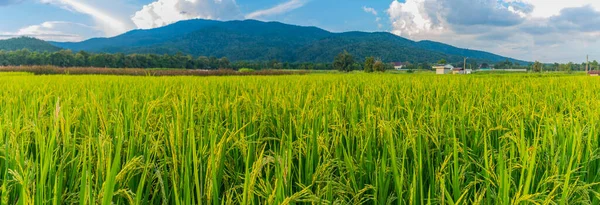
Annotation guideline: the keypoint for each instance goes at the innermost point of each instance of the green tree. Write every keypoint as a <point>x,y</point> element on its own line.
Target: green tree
<point>443,61</point>
<point>379,66</point>
<point>369,63</point>
<point>213,62</point>
<point>343,61</point>
<point>594,65</point>
<point>224,62</point>
<point>537,67</point>
<point>567,67</point>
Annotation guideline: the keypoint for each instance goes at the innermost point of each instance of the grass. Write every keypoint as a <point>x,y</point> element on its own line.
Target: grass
<point>51,70</point>
<point>310,139</point>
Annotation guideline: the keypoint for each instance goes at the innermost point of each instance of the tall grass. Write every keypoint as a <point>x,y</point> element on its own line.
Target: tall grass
<point>316,139</point>
<point>52,70</point>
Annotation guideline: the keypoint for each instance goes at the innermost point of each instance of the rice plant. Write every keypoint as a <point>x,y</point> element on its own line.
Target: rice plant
<point>311,139</point>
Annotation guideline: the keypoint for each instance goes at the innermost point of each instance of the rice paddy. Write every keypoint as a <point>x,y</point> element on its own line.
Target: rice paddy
<point>310,139</point>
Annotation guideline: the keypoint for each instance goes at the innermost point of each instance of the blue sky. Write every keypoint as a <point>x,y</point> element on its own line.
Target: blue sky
<point>545,30</point>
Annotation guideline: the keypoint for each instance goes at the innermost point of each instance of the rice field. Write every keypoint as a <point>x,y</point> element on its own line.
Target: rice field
<point>310,139</point>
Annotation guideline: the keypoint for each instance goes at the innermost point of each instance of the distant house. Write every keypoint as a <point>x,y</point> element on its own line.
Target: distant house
<point>399,65</point>
<point>457,70</point>
<point>443,69</point>
<point>461,71</point>
<point>594,73</point>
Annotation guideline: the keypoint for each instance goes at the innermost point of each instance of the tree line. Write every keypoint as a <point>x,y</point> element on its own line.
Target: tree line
<point>343,62</point>
<point>346,63</point>
<point>67,58</point>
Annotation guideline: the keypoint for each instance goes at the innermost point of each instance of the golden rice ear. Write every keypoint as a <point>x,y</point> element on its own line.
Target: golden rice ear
<point>323,138</point>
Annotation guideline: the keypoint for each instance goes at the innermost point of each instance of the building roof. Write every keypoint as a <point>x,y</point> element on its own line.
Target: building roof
<point>399,63</point>
<point>594,72</point>
<point>448,66</point>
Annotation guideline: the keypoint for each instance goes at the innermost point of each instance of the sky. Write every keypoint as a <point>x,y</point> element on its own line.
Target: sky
<point>544,30</point>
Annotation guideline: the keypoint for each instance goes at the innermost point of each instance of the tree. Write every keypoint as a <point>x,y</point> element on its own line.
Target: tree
<point>379,66</point>
<point>343,61</point>
<point>537,67</point>
<point>224,62</point>
<point>213,62</point>
<point>594,65</point>
<point>443,61</point>
<point>567,67</point>
<point>369,63</point>
<point>274,64</point>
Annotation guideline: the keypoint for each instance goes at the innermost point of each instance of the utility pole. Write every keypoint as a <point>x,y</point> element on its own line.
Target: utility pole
<point>587,67</point>
<point>465,64</point>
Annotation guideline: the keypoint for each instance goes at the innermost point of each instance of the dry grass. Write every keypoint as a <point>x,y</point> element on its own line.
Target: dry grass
<point>52,70</point>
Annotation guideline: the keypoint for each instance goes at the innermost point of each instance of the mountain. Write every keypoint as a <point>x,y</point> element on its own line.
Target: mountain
<point>137,37</point>
<point>256,40</point>
<point>28,43</point>
<point>448,49</point>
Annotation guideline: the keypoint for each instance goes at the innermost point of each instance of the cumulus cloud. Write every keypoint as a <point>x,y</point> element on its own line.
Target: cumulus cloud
<point>164,12</point>
<point>583,19</point>
<point>517,28</point>
<point>415,16</point>
<point>55,31</point>
<point>370,10</point>
<point>481,12</point>
<point>278,9</point>
<point>410,18</point>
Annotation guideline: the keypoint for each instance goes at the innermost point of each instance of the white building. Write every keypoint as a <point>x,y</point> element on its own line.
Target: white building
<point>443,69</point>
<point>399,65</point>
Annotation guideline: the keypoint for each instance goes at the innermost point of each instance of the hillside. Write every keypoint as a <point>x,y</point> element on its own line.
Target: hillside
<point>256,40</point>
<point>137,37</point>
<point>28,43</point>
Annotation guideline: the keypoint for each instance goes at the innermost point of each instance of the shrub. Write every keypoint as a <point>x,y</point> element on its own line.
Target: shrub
<point>246,70</point>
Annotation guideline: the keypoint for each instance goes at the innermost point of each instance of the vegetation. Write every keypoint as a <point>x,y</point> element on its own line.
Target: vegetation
<point>246,70</point>
<point>369,63</point>
<point>379,66</point>
<point>319,139</point>
<point>31,44</point>
<point>537,67</point>
<point>252,40</point>
<point>343,62</point>
<point>50,70</point>
<point>567,67</point>
<point>66,58</point>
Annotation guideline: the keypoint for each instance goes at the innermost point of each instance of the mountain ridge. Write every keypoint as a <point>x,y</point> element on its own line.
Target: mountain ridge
<point>29,43</point>
<point>253,40</point>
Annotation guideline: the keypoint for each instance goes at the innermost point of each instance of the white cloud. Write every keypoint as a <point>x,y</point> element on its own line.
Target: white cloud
<point>409,18</point>
<point>278,9</point>
<point>105,21</point>
<point>164,12</point>
<point>378,21</point>
<point>548,8</point>
<point>55,31</point>
<point>546,30</point>
<point>370,10</point>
